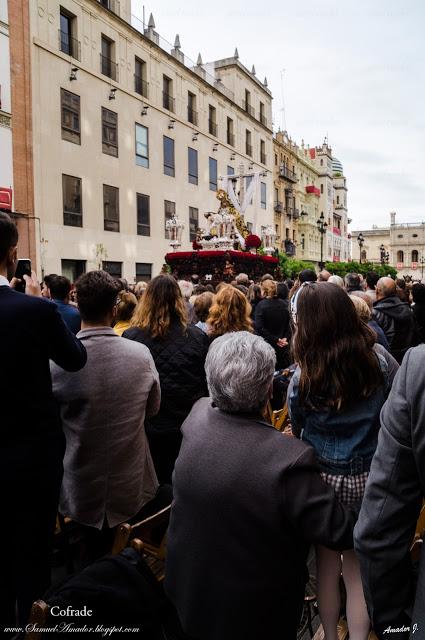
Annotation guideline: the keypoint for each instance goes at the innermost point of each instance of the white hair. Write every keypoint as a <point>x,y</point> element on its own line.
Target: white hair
<point>336,280</point>
<point>186,288</point>
<point>239,368</point>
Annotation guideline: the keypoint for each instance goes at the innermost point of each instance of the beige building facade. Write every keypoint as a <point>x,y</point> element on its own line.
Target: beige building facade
<point>126,131</point>
<point>403,242</point>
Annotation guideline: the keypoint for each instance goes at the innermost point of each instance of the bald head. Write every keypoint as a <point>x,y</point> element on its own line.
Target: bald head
<point>323,276</point>
<point>385,287</point>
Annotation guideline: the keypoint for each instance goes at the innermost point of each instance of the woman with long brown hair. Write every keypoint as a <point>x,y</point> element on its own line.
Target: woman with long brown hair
<point>179,350</point>
<point>334,401</point>
<point>231,311</point>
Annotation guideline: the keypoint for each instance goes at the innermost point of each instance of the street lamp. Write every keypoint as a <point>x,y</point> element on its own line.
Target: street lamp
<point>360,240</point>
<point>422,263</point>
<point>383,253</point>
<point>321,226</point>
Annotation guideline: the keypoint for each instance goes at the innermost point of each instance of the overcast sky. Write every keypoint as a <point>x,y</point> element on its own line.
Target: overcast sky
<point>354,70</point>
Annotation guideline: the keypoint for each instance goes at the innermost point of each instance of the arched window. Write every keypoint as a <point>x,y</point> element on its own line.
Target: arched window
<point>364,255</point>
<point>400,256</point>
<point>415,255</point>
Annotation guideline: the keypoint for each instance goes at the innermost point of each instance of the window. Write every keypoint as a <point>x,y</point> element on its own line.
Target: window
<point>70,116</point>
<point>415,255</point>
<point>321,188</point>
<point>262,152</point>
<point>275,158</point>
<point>140,84</point>
<point>337,199</point>
<point>248,145</point>
<point>142,146</point>
<point>143,215</point>
<point>262,115</point>
<point>72,201</point>
<point>193,223</point>
<point>193,165</point>
<point>213,174</point>
<point>143,271</point>
<point>109,132</point>
<point>263,195</point>
<point>230,134</point>
<point>192,115</point>
<point>230,171</point>
<point>73,269</point>
<point>400,256</point>
<point>167,93</point>
<point>113,268</point>
<point>111,208</point>
<point>249,227</point>
<point>169,168</point>
<point>107,66</point>
<point>276,196</point>
<point>67,43</point>
<point>212,120</point>
<point>247,103</point>
<point>169,212</point>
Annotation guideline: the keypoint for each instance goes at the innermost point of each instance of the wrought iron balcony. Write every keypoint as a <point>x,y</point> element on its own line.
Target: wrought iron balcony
<point>192,116</point>
<point>212,128</point>
<point>69,45</point>
<point>278,207</point>
<point>284,172</point>
<point>263,119</point>
<point>248,149</point>
<point>230,139</point>
<point>108,67</point>
<point>248,108</point>
<point>296,214</point>
<point>141,86</point>
<point>263,158</point>
<point>168,101</point>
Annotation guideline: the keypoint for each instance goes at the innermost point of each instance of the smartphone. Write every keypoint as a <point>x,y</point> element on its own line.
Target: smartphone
<point>23,267</point>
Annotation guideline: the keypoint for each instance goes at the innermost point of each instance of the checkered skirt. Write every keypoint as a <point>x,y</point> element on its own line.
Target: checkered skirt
<point>348,489</point>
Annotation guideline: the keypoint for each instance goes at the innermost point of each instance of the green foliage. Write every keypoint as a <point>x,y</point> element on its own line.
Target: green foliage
<point>342,268</point>
<point>291,267</point>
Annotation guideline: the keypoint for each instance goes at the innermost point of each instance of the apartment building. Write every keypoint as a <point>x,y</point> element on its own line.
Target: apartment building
<point>124,132</point>
<point>6,162</point>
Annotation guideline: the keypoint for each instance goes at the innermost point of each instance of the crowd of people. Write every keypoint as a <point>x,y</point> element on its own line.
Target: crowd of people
<point>125,398</point>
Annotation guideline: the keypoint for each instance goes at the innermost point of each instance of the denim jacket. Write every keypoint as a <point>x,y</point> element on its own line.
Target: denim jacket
<point>344,441</point>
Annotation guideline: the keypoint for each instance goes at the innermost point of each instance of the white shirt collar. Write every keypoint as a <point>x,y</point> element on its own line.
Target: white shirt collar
<point>4,281</point>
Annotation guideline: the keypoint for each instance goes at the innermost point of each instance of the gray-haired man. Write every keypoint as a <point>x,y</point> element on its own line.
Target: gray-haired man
<point>248,503</point>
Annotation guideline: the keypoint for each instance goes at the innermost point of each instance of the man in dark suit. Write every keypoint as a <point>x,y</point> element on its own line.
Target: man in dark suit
<point>32,445</point>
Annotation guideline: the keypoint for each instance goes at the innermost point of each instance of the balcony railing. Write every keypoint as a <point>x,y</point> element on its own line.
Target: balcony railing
<point>248,108</point>
<point>248,149</point>
<point>192,116</point>
<point>263,120</point>
<point>212,128</point>
<point>296,214</point>
<point>230,139</point>
<point>141,86</point>
<point>278,207</point>
<point>289,247</point>
<point>340,206</point>
<point>112,5</point>
<point>263,157</point>
<point>69,45</point>
<point>108,67</point>
<point>284,172</point>
<point>168,101</point>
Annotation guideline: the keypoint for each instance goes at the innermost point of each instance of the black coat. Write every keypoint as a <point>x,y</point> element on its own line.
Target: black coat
<point>272,322</point>
<point>248,501</point>
<point>396,319</point>
<point>391,504</point>
<point>419,315</point>
<point>179,359</point>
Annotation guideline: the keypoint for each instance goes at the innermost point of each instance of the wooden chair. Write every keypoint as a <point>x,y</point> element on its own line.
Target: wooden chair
<point>149,537</point>
<point>279,419</point>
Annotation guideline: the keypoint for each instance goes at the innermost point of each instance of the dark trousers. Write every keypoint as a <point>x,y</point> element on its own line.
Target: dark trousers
<point>164,446</point>
<point>30,481</point>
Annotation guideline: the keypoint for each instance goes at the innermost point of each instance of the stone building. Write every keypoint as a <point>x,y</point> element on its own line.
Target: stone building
<point>119,130</point>
<point>6,163</point>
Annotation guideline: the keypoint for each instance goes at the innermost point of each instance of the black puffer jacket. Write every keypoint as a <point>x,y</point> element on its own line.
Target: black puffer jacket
<point>179,359</point>
<point>396,319</point>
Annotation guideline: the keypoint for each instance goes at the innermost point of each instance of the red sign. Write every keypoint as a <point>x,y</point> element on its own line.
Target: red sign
<point>337,259</point>
<point>5,199</point>
<point>337,231</point>
<point>414,265</point>
<point>399,265</point>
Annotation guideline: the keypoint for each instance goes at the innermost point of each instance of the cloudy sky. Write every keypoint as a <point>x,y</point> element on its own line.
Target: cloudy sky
<point>354,70</point>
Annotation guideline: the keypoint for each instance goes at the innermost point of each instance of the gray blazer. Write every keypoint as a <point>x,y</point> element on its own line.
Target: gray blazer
<point>108,470</point>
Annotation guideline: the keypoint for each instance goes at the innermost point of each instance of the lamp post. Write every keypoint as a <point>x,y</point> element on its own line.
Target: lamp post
<point>383,254</point>
<point>360,240</point>
<point>422,263</point>
<point>321,226</point>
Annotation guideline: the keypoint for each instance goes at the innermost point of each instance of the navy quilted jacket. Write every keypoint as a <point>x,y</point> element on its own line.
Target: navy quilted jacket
<point>179,359</point>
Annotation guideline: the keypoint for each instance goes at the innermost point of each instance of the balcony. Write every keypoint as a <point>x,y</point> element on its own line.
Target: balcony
<point>192,116</point>
<point>69,45</point>
<point>248,149</point>
<point>168,101</point>
<point>296,214</point>
<point>263,158</point>
<point>278,207</point>
<point>263,120</point>
<point>336,231</point>
<point>112,5</point>
<point>289,246</point>
<point>284,172</point>
<point>108,68</point>
<point>212,128</point>
<point>340,206</point>
<point>141,86</point>
<point>230,139</point>
<point>248,108</point>
<point>312,189</point>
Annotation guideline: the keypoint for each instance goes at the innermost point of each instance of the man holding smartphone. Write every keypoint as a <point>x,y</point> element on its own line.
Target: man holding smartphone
<point>32,332</point>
